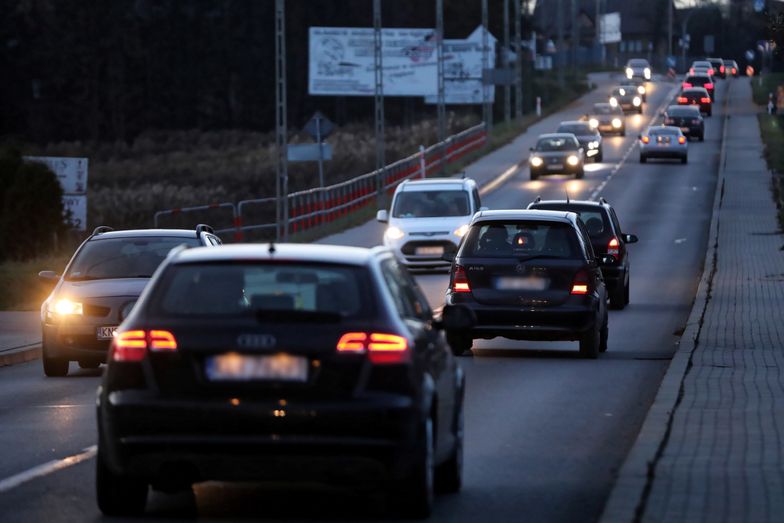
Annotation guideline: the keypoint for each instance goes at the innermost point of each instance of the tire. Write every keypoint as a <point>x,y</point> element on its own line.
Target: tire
<point>604,335</point>
<point>643,158</point>
<point>627,293</point>
<point>618,298</point>
<point>685,159</point>
<point>459,343</point>
<point>599,157</point>
<point>449,474</point>
<point>590,342</point>
<point>118,495</point>
<point>710,113</point>
<point>54,367</point>
<point>534,176</point>
<point>416,492</point>
<point>89,364</point>
<point>580,174</point>
<point>702,137</point>
<point>623,133</point>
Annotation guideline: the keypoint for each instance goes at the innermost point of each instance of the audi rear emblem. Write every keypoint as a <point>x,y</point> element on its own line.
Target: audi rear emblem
<point>256,341</point>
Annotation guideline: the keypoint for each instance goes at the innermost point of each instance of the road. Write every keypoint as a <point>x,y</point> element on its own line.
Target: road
<point>545,430</point>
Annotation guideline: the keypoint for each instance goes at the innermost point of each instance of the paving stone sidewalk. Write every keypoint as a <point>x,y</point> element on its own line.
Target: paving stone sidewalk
<point>724,459</point>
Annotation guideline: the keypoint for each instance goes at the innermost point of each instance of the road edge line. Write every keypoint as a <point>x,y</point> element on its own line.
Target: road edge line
<point>47,468</point>
<point>626,502</point>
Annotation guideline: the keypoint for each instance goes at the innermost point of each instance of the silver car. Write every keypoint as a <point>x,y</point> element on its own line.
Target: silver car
<point>664,142</point>
<point>638,68</point>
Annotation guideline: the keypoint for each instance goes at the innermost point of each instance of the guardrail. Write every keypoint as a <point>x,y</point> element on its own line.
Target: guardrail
<point>313,208</point>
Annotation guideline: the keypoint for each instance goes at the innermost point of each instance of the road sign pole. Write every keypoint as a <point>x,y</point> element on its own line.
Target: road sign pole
<point>441,86</point>
<point>379,100</point>
<point>487,107</point>
<point>505,65</point>
<point>518,62</point>
<point>281,141</point>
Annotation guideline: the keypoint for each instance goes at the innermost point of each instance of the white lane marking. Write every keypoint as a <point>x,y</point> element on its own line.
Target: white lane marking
<point>497,182</point>
<point>680,240</point>
<point>667,99</point>
<point>47,468</point>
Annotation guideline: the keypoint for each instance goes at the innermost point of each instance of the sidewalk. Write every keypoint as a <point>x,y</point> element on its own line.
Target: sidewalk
<point>712,446</point>
<point>20,337</point>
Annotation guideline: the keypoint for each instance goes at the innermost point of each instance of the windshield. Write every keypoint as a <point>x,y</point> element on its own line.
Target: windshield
<point>603,109</point>
<point>577,129</point>
<point>556,144</point>
<point>528,239</point>
<point>638,63</point>
<point>624,91</point>
<point>431,204</point>
<point>280,292</point>
<point>103,259</point>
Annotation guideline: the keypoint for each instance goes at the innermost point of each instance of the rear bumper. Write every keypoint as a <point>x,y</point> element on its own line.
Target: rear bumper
<point>664,153</point>
<point>259,440</point>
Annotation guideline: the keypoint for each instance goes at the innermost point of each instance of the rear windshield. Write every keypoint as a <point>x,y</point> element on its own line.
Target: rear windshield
<point>690,93</point>
<point>556,144</point>
<point>698,80</point>
<point>430,204</point>
<point>280,292</point>
<point>683,111</point>
<point>521,239</point>
<point>577,128</point>
<point>109,258</point>
<point>663,130</point>
<point>702,65</point>
<point>596,220</point>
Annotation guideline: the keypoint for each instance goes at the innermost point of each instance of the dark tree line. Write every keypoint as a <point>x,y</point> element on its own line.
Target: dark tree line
<point>107,70</point>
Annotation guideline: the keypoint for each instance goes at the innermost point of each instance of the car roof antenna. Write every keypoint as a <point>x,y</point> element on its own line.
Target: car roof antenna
<point>567,195</point>
<point>272,247</point>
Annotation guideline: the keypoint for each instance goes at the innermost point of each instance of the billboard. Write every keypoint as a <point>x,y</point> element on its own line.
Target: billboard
<point>610,28</point>
<point>463,70</point>
<point>341,61</point>
<point>72,175</point>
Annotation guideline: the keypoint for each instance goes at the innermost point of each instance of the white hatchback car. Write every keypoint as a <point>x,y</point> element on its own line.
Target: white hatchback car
<point>428,218</point>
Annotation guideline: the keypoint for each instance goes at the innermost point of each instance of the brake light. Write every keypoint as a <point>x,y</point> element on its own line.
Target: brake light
<point>721,69</point>
<point>460,281</point>
<point>710,72</point>
<point>645,139</point>
<point>613,247</point>
<point>686,85</point>
<point>580,283</point>
<point>681,140</point>
<point>705,100</point>
<point>381,348</point>
<point>682,100</point>
<point>129,346</point>
<point>708,86</point>
<point>161,341</point>
<point>734,70</point>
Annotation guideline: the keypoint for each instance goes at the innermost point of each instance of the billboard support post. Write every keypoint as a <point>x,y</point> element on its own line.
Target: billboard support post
<point>518,63</point>
<point>505,64</point>
<point>281,141</point>
<point>378,67</point>
<point>487,107</point>
<point>441,94</point>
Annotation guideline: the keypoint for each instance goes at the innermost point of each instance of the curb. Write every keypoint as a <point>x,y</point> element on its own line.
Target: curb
<point>628,496</point>
<point>20,354</point>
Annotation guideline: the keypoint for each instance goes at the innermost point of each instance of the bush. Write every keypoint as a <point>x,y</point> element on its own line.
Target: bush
<point>31,217</point>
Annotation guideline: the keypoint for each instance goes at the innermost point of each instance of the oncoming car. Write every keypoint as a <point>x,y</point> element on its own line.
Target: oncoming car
<point>627,98</point>
<point>98,288</point>
<point>664,142</point>
<point>638,68</point>
<point>556,153</point>
<point>590,139</point>
<point>295,363</point>
<point>607,119</point>
<point>427,219</point>
<point>529,275</point>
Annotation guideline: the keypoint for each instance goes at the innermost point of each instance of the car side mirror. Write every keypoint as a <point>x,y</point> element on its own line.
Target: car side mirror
<point>531,149</point>
<point>608,260</point>
<point>630,238</point>
<point>49,276</point>
<point>382,216</point>
<point>448,256</point>
<point>457,318</point>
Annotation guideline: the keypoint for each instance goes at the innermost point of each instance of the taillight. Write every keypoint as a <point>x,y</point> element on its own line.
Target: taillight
<point>686,85</point>
<point>133,345</point>
<point>734,70</point>
<point>681,140</point>
<point>381,348</point>
<point>710,72</point>
<point>460,280</point>
<point>580,283</point>
<point>721,69</point>
<point>613,247</point>
<point>682,100</point>
<point>705,100</point>
<point>645,139</point>
<point>708,86</point>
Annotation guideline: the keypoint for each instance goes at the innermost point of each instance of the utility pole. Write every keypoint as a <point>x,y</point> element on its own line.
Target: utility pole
<point>379,100</point>
<point>487,106</point>
<point>575,35</point>
<point>560,54</point>
<point>518,49</point>
<point>441,87</point>
<point>669,28</point>
<point>505,66</point>
<point>281,131</point>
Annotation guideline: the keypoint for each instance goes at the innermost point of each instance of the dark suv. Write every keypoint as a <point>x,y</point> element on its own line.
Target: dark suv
<point>529,275</point>
<point>609,243</point>
<point>98,288</point>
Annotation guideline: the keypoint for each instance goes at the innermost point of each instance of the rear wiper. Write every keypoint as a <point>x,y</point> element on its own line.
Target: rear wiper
<point>297,316</point>
<point>546,256</point>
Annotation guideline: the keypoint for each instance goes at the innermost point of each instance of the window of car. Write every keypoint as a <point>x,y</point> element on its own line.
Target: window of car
<point>624,91</point>
<point>477,199</point>
<point>576,128</point>
<point>429,204</point>
<point>603,109</point>
<point>131,257</point>
<point>596,220</point>
<point>408,298</point>
<point>522,239</point>
<point>658,131</point>
<point>638,62</point>
<point>283,292</point>
<point>682,112</point>
<point>559,143</point>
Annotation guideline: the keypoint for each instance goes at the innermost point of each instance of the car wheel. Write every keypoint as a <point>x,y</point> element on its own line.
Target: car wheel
<point>53,367</point>
<point>643,158</point>
<point>702,137</point>
<point>710,113</point>
<point>685,159</point>
<point>416,492</point>
<point>590,341</point>
<point>534,176</point>
<point>618,298</point>
<point>580,174</point>
<point>118,495</point>
<point>449,474</point>
<point>459,343</point>
<point>604,335</point>
<point>627,293</point>
<point>599,157</point>
<point>89,364</point>
<point>623,133</point>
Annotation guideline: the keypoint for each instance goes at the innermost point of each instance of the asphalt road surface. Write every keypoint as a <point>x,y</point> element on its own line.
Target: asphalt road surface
<point>545,430</point>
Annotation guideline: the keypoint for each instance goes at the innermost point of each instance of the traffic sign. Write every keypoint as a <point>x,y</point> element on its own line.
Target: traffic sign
<point>319,126</point>
<point>309,152</point>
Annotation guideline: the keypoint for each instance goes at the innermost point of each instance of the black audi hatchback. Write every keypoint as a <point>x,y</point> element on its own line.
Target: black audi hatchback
<point>608,241</point>
<point>529,275</point>
<point>285,362</point>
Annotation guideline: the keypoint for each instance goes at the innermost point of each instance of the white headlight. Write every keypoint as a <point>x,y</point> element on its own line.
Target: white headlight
<point>613,102</point>
<point>647,73</point>
<point>573,160</point>
<point>629,72</point>
<point>622,92</point>
<point>593,145</point>
<point>641,89</point>
<point>636,102</point>
<point>594,123</point>
<point>616,122</point>
<point>394,233</point>
<point>66,307</point>
<point>461,231</point>
<point>536,161</point>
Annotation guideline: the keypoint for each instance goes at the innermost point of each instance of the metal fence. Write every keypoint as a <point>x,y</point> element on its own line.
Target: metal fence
<point>314,208</point>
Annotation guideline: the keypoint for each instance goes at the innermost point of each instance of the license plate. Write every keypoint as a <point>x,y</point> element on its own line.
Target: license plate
<point>434,250</point>
<point>512,283</point>
<point>105,333</point>
<point>243,367</point>
<point>555,166</point>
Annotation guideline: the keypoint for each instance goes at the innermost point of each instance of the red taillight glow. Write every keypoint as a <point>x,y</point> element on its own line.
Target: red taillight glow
<point>705,100</point>
<point>710,72</point>
<point>460,281</point>
<point>682,100</point>
<point>708,86</point>
<point>721,69</point>
<point>686,85</point>
<point>129,346</point>
<point>681,140</point>
<point>381,348</point>
<point>161,341</point>
<point>614,246</point>
<point>580,283</point>
<point>645,139</point>
<point>734,71</point>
